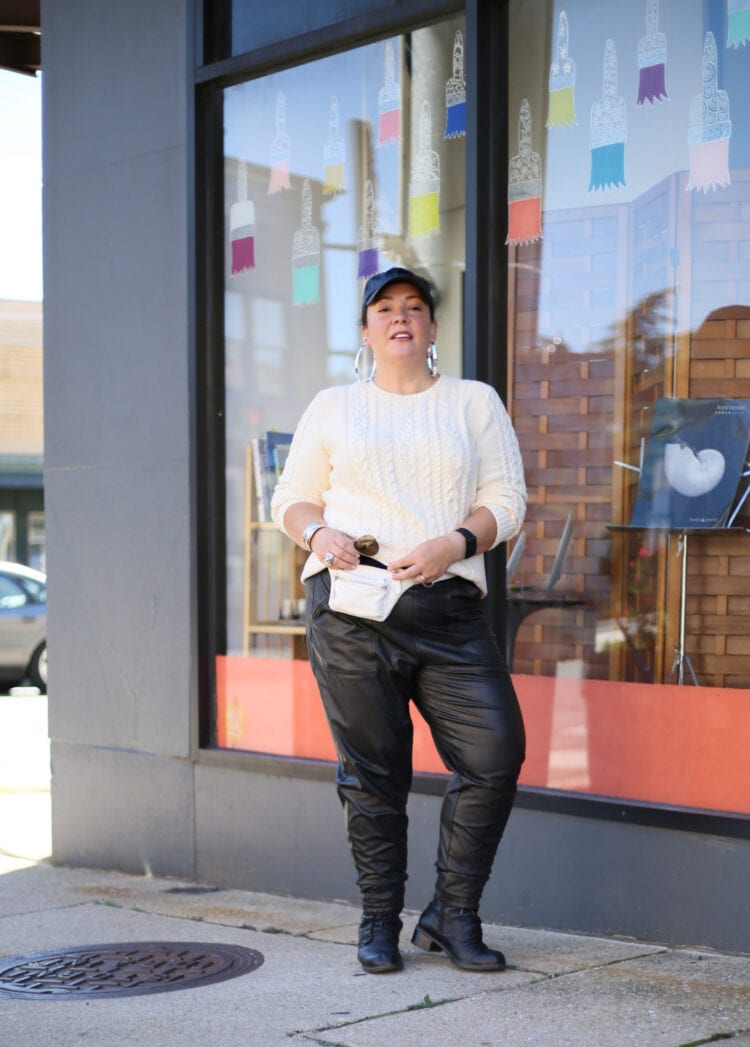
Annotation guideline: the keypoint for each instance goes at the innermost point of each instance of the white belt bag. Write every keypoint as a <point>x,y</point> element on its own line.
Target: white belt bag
<point>366,592</point>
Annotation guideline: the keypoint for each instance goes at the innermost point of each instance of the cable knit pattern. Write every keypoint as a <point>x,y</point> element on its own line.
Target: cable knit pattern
<point>406,468</point>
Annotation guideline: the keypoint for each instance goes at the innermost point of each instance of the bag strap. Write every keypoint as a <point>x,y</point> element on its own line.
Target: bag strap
<point>367,561</point>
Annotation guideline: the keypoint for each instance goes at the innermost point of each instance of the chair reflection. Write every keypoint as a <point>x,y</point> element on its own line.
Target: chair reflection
<point>524,600</point>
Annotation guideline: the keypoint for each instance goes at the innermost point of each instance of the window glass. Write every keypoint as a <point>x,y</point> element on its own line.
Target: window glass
<point>333,170</point>
<point>36,543</point>
<point>11,594</point>
<point>35,588</point>
<point>628,223</point>
<point>7,536</point>
<point>253,25</point>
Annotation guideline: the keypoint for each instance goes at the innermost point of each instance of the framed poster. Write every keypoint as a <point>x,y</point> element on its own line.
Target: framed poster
<point>694,462</point>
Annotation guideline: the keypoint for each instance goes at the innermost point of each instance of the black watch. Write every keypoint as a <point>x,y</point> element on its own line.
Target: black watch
<point>471,542</point>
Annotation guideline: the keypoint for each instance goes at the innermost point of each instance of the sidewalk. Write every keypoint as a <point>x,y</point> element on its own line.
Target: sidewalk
<point>559,989</point>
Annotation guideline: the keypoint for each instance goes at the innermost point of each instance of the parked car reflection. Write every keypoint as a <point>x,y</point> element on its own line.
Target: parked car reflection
<point>23,625</point>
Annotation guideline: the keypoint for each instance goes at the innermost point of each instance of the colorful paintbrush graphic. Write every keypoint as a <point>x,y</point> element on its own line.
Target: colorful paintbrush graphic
<point>710,128</point>
<point>333,153</point>
<point>424,184</point>
<point>524,186</point>
<point>367,244</point>
<point>738,22</point>
<point>279,178</point>
<point>608,129</point>
<point>652,59</point>
<point>242,226</point>
<point>455,93</point>
<point>306,255</point>
<point>389,102</point>
<point>562,81</point>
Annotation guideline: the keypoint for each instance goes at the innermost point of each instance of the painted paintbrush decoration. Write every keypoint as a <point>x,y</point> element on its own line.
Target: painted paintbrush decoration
<point>652,59</point>
<point>333,153</point>
<point>306,255</point>
<point>367,245</point>
<point>242,226</point>
<point>562,81</point>
<point>280,150</point>
<point>525,186</point>
<point>389,102</point>
<point>738,22</point>
<point>608,129</point>
<point>710,128</point>
<point>455,93</point>
<point>424,184</point>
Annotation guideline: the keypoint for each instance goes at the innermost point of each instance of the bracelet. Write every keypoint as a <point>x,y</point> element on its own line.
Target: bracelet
<point>307,534</point>
<point>471,542</point>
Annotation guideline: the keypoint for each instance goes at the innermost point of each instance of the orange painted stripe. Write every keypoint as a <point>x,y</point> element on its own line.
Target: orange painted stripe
<point>665,744</point>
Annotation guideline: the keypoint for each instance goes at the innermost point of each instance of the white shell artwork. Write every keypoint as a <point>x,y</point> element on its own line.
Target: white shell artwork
<point>693,474</point>
<point>694,464</point>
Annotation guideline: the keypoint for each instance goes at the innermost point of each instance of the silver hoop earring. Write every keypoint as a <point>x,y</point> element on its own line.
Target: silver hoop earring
<point>357,359</point>
<point>432,360</point>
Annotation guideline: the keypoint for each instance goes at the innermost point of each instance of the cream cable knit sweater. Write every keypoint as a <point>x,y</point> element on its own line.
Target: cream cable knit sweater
<point>406,468</point>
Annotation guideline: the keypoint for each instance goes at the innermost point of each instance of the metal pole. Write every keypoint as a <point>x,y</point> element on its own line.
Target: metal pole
<point>681,659</point>
<point>683,608</point>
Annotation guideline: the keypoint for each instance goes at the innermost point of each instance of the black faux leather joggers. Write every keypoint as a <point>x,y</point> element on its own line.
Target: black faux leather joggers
<point>435,649</point>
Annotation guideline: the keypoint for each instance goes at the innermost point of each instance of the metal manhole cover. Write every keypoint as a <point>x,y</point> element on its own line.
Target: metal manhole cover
<point>122,969</point>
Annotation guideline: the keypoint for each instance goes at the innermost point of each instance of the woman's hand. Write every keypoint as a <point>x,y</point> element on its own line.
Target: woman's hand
<point>430,559</point>
<point>335,549</point>
<point>326,541</point>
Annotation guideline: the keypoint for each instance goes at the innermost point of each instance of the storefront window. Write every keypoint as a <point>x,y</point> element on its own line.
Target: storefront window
<point>629,318</point>
<point>628,249</point>
<point>333,170</point>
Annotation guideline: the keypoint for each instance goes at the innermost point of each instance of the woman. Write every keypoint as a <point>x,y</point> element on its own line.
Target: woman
<point>429,466</point>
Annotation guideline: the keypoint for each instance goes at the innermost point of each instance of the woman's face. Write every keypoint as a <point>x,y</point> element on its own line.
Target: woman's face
<point>399,325</point>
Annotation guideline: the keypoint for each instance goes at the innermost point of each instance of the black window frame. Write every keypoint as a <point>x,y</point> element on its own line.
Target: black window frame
<point>485,344</point>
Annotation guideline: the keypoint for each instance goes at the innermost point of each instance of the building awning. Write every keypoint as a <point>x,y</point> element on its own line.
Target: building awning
<point>21,36</point>
<point>21,470</point>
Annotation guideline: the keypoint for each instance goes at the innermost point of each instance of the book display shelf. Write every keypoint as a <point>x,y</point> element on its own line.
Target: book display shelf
<point>273,596</point>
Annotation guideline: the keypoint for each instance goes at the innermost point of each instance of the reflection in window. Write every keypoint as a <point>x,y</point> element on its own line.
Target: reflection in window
<point>7,536</point>
<point>638,265</point>
<point>629,283</point>
<point>333,170</point>
<point>11,595</point>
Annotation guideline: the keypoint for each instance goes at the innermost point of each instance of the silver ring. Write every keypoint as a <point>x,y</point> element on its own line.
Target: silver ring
<point>329,557</point>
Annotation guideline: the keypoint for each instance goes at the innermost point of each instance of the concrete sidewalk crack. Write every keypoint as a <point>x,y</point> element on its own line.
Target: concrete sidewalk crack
<point>717,1036</point>
<point>427,1003</point>
<point>43,909</point>
<point>547,975</point>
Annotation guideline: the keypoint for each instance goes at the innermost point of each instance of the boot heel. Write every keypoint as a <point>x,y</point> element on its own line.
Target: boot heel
<point>423,941</point>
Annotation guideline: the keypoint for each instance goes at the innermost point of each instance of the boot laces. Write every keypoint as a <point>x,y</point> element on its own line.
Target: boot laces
<point>377,921</point>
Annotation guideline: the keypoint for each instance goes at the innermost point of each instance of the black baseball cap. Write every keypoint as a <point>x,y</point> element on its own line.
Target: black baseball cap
<point>377,283</point>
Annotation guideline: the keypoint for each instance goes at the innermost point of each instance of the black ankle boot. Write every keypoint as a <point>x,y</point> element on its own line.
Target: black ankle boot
<point>378,942</point>
<point>458,933</point>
